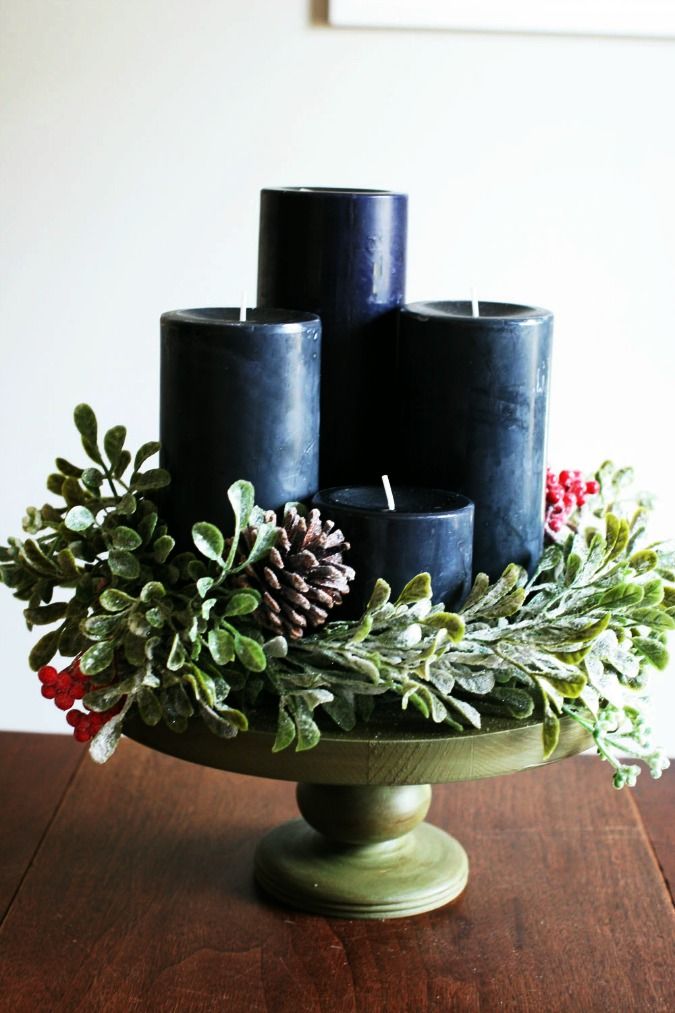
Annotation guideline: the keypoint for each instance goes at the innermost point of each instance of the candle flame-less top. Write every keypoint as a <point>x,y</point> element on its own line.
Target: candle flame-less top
<point>411,501</point>
<point>463,310</point>
<point>290,320</point>
<point>327,191</point>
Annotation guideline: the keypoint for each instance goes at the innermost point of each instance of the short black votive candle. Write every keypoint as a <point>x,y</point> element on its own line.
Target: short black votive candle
<point>430,531</point>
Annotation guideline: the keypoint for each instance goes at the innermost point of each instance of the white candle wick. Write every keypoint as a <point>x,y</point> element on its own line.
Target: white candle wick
<point>391,505</point>
<point>475,309</point>
<point>242,306</point>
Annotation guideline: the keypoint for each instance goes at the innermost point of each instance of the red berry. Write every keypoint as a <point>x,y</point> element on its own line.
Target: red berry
<point>47,675</point>
<point>77,690</point>
<point>82,734</point>
<point>64,701</point>
<point>581,498</point>
<point>592,487</point>
<point>555,523</point>
<point>63,682</point>
<point>49,692</point>
<point>74,718</point>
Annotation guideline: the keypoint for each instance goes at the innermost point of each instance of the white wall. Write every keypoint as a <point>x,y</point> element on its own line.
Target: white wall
<point>135,135</point>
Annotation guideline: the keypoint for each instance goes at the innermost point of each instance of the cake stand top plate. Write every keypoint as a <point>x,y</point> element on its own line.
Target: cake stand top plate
<point>399,750</point>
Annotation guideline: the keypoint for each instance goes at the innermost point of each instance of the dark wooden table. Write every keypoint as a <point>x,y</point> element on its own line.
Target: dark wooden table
<point>129,887</point>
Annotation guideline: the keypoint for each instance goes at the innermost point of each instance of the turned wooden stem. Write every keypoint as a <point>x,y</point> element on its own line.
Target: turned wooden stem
<point>368,814</point>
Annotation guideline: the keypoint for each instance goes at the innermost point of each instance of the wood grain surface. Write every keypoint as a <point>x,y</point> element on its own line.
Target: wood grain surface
<point>656,803</point>
<point>410,751</point>
<point>35,771</point>
<point>140,897</point>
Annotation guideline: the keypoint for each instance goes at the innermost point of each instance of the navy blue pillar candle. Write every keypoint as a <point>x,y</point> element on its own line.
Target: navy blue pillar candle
<point>238,399</point>
<point>341,254</point>
<point>472,416</point>
<point>429,531</point>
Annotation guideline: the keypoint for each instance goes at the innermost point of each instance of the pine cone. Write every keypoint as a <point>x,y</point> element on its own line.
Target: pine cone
<point>302,577</point>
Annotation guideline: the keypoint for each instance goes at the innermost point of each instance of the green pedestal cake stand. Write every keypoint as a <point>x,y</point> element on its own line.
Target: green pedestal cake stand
<point>362,849</point>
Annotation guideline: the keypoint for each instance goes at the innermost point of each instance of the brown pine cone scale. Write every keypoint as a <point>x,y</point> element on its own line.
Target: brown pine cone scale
<point>302,577</point>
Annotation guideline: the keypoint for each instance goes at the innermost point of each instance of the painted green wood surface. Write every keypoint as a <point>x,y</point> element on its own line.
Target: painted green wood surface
<point>401,751</point>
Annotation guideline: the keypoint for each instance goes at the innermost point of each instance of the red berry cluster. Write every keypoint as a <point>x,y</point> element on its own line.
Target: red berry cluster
<point>85,726</point>
<point>564,494</point>
<point>64,688</point>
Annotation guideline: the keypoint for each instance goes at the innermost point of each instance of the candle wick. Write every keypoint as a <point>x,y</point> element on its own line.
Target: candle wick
<point>391,505</point>
<point>242,306</point>
<point>475,308</point>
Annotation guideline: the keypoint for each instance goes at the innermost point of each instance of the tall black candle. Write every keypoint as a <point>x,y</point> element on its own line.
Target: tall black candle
<point>341,254</point>
<point>429,531</point>
<point>472,414</point>
<point>238,399</point>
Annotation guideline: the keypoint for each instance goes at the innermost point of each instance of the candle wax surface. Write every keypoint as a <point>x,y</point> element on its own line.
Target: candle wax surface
<point>431,531</point>
<point>409,501</point>
<point>463,310</point>
<point>228,316</point>
<point>341,253</point>
<point>472,407</point>
<point>239,399</point>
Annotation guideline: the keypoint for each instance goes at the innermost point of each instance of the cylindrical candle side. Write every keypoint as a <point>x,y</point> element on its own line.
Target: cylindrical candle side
<point>341,254</point>
<point>430,531</point>
<point>472,415</point>
<point>238,399</point>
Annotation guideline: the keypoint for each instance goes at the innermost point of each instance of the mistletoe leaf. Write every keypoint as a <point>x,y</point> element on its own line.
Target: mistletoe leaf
<point>242,603</point>
<point>452,623</point>
<point>85,422</point>
<point>417,589</point>
<point>656,618</point>
<point>44,615</point>
<point>114,600</point>
<point>97,658</point>
<point>242,500</point>
<point>66,468</point>
<point>285,730</point>
<point>150,481</point>
<point>162,548</point>
<point>221,646</point>
<point>226,722</point>
<point>550,732</point>
<point>177,656</point>
<point>250,653</point>
<point>266,538</point>
<point>148,706</point>
<point>113,442</point>
<point>379,597</point>
<point>79,518</point>
<point>208,540</point>
<point>45,649</point>
<point>146,451</point>
<point>653,651</point>
<point>124,564</point>
<point>125,538</point>
<point>622,596</point>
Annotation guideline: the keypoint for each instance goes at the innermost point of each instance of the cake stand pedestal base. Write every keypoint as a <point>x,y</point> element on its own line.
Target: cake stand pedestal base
<point>362,852</point>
